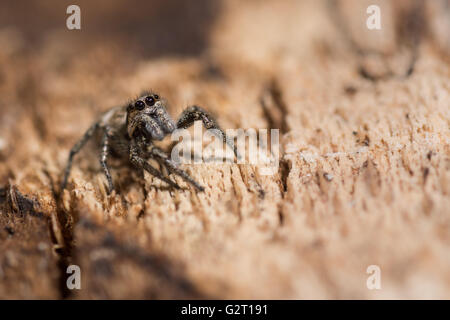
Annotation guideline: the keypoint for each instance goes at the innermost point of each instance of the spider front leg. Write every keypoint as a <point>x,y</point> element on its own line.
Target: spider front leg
<point>103,163</point>
<point>139,162</point>
<point>163,159</point>
<point>194,113</point>
<point>75,149</point>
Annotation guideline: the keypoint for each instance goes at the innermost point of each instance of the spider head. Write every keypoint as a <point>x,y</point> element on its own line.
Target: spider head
<point>147,116</point>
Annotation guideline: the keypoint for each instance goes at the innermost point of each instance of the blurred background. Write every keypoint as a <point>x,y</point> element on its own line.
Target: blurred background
<point>333,87</point>
<point>155,27</point>
<point>89,70</point>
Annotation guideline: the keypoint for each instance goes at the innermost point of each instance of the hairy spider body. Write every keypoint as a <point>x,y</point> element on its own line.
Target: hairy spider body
<point>129,131</point>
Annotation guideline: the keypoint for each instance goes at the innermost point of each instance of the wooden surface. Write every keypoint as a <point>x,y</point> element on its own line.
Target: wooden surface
<point>364,176</point>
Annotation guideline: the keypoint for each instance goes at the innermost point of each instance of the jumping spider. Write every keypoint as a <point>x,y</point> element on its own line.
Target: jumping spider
<point>129,131</point>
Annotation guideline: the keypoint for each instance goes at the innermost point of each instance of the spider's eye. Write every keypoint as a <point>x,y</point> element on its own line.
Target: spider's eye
<point>156,96</point>
<point>150,101</point>
<point>139,105</point>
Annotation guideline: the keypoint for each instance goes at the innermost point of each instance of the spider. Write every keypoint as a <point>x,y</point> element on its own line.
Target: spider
<point>129,131</point>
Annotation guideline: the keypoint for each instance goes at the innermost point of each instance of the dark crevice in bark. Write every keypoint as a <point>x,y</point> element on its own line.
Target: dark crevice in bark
<point>61,232</point>
<point>275,112</point>
<point>66,251</point>
<point>19,204</point>
<point>274,108</point>
<point>285,168</point>
<point>2,195</point>
<point>280,214</point>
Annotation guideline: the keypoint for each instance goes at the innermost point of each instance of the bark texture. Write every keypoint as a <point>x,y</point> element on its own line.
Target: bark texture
<point>363,179</point>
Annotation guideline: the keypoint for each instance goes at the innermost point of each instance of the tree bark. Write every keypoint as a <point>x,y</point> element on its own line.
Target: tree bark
<point>363,177</point>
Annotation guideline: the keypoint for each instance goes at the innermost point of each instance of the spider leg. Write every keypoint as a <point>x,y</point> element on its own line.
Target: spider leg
<point>103,163</point>
<point>139,162</point>
<point>162,158</point>
<point>75,149</point>
<point>194,113</point>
